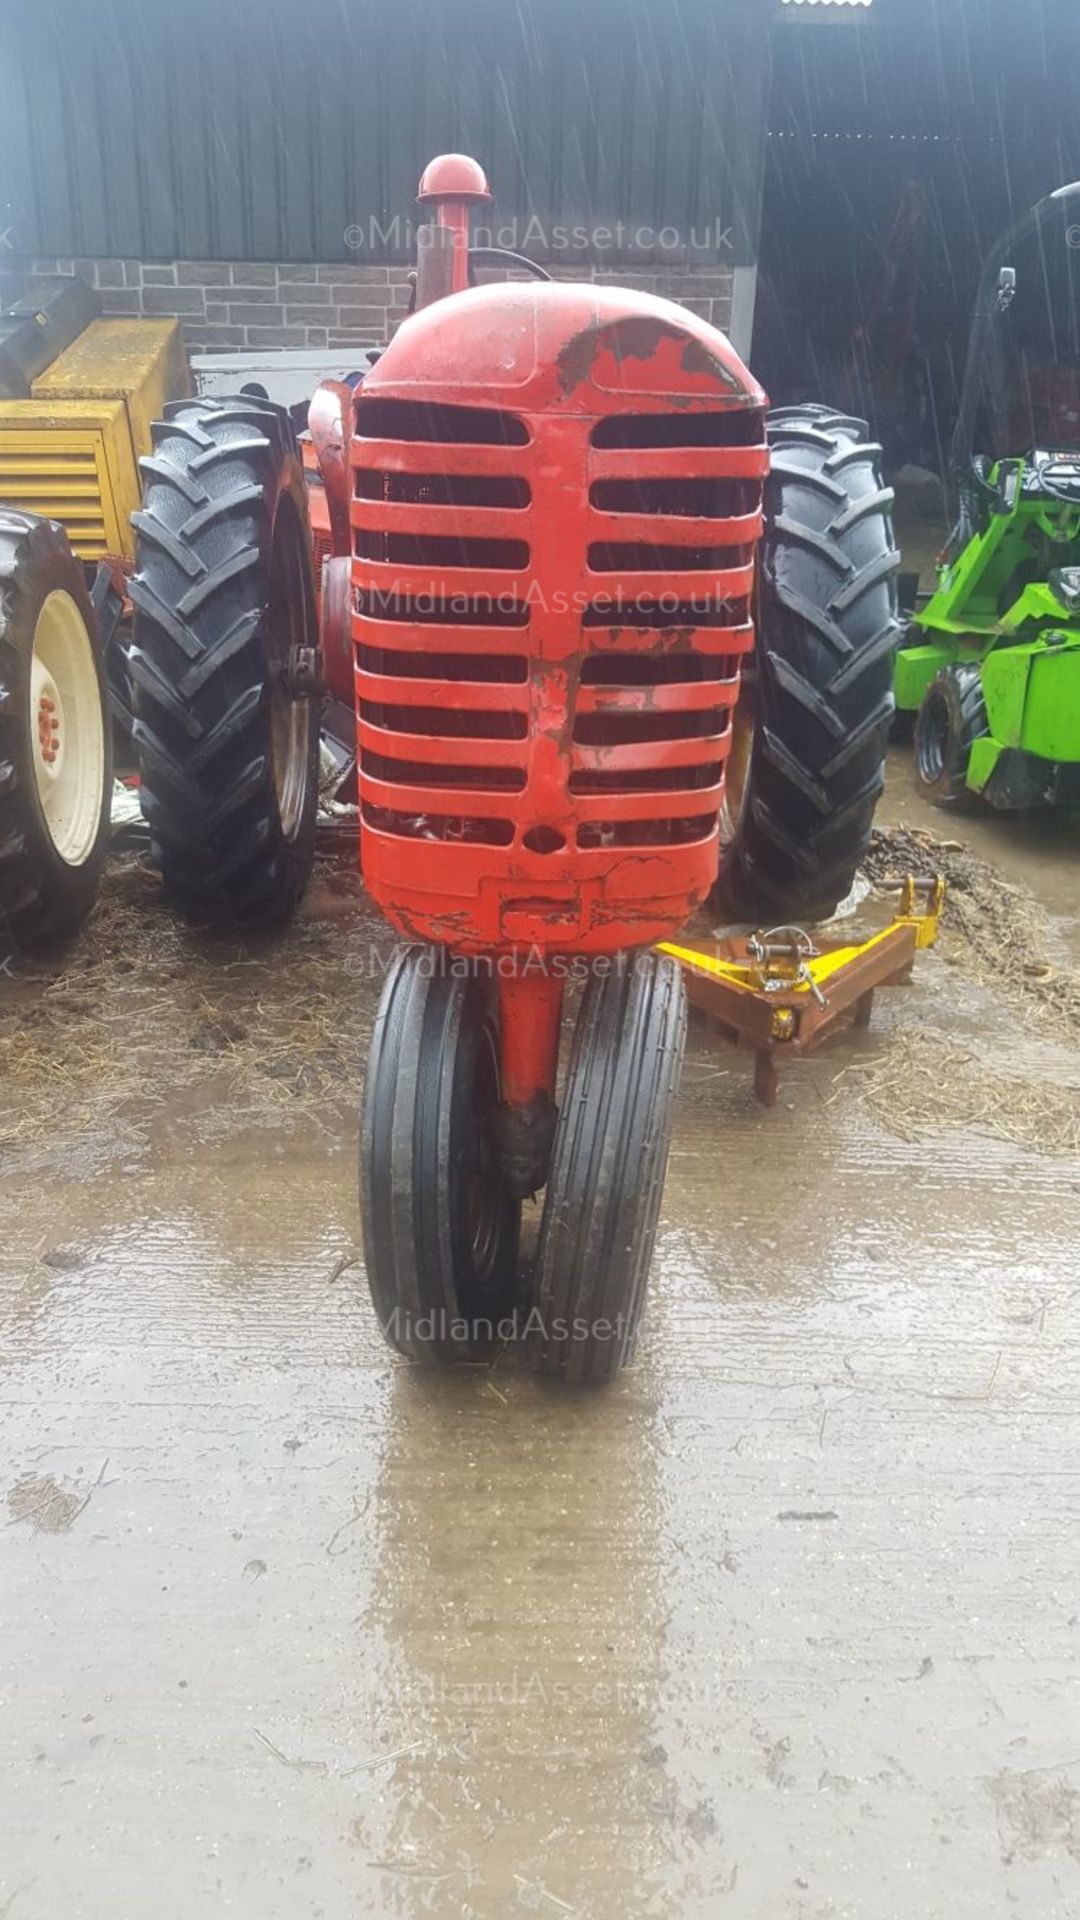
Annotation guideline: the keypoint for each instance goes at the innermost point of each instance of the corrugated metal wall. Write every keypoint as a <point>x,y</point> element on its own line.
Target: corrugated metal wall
<point>265,129</point>
<point>899,152</point>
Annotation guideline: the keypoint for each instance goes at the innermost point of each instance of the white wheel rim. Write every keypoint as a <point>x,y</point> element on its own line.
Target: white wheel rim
<point>289,754</point>
<point>67,729</point>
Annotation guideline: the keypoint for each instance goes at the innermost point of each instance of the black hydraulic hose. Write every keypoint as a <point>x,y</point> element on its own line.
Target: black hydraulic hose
<point>503,257</point>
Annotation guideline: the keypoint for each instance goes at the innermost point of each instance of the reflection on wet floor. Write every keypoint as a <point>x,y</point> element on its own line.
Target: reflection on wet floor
<point>783,1624</point>
<point>518,1584</point>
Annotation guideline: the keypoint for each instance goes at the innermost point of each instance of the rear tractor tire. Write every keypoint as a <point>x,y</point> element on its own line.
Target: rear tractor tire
<point>55,747</point>
<point>949,721</point>
<point>815,720</point>
<point>223,663</point>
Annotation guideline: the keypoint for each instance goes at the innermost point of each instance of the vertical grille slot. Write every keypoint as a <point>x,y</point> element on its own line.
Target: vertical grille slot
<point>713,498</point>
<point>442,723</point>
<point>495,669</point>
<point>717,427</point>
<point>646,614</point>
<point>442,609</point>
<point>687,780</point>
<point>614,727</point>
<point>656,669</point>
<point>594,835</point>
<point>439,423</point>
<point>443,489</point>
<point>440,550</point>
<point>646,556</point>
<point>437,774</point>
<point>451,829</point>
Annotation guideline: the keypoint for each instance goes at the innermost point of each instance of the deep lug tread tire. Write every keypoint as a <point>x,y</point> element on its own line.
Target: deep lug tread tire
<point>607,1170</point>
<point>433,1060</point>
<point>951,718</point>
<point>202,660</point>
<point>828,632</point>
<point>42,896</point>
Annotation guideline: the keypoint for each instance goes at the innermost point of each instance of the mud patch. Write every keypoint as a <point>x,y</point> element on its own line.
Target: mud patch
<point>997,936</point>
<point>143,1024</point>
<point>924,1084</point>
<point>49,1505</point>
<point>1038,1813</point>
<point>996,929</point>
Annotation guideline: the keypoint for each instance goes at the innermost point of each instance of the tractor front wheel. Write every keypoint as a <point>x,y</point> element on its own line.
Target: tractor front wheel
<point>55,751</point>
<point>223,661</point>
<point>950,720</point>
<point>607,1173</point>
<point>440,1224</point>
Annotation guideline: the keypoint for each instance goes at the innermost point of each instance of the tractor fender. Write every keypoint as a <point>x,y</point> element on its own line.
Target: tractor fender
<point>330,418</point>
<point>335,634</point>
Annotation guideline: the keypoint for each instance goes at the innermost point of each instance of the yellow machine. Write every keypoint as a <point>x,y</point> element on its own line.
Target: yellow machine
<point>70,450</point>
<point>78,395</point>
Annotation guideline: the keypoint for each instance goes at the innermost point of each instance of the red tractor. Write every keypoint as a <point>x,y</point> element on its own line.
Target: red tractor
<point>545,504</point>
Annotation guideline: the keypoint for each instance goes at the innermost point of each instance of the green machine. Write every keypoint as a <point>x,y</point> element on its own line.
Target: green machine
<point>990,663</point>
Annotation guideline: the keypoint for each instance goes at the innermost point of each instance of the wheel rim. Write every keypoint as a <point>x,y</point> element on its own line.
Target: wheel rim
<point>737,766</point>
<point>292,623</point>
<point>935,736</point>
<point>67,729</point>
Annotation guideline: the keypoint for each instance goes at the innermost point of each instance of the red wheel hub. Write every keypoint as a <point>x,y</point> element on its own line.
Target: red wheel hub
<point>48,728</point>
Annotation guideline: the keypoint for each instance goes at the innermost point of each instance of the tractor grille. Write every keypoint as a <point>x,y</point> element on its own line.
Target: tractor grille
<point>60,486</point>
<point>548,661</point>
<point>441,530</point>
<point>674,517</point>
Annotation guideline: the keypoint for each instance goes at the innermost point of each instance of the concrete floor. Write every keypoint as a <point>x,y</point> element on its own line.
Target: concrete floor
<point>786,1624</point>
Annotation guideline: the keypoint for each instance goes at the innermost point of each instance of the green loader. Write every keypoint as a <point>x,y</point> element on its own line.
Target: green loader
<point>990,662</point>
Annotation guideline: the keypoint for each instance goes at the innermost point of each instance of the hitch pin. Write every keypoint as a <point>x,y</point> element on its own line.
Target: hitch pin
<point>796,947</point>
<point>807,979</point>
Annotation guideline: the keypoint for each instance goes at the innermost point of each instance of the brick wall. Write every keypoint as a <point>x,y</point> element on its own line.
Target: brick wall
<point>225,304</point>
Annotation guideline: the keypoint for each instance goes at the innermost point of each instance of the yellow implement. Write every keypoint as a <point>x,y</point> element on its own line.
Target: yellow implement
<point>779,993</point>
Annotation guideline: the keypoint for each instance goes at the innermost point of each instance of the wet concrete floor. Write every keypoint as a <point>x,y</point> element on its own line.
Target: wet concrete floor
<point>783,1626</point>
